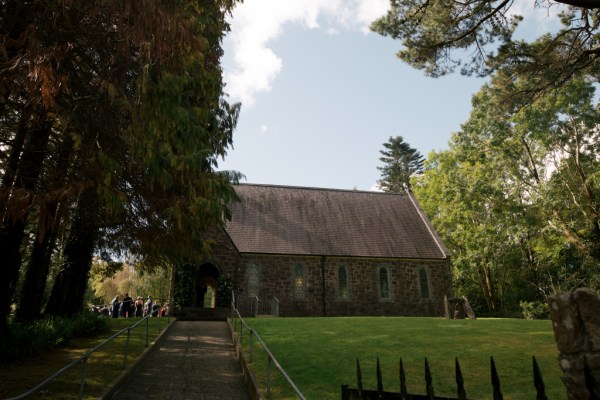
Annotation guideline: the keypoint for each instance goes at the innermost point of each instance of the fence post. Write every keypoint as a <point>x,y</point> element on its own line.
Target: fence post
<point>379,380</point>
<point>345,393</point>
<point>126,348</point>
<point>83,372</point>
<point>241,333</point>
<point>359,379</point>
<point>495,381</point>
<point>250,343</point>
<point>538,382</point>
<point>460,382</point>
<point>403,391</point>
<point>428,381</point>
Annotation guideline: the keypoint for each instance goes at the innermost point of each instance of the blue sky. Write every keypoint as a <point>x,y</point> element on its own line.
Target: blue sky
<point>321,94</point>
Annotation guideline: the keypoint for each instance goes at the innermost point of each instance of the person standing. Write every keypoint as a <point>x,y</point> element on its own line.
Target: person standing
<point>114,307</point>
<point>148,307</point>
<point>139,307</point>
<point>127,304</point>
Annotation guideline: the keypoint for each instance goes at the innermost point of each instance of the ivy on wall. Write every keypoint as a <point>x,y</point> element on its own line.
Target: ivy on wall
<point>224,288</point>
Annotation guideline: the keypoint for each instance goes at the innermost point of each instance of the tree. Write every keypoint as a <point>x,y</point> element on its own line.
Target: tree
<point>436,34</point>
<point>83,148</point>
<point>400,162</point>
<point>515,196</point>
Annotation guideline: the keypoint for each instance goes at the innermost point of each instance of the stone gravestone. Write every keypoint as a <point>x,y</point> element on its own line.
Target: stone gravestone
<point>576,323</point>
<point>458,308</point>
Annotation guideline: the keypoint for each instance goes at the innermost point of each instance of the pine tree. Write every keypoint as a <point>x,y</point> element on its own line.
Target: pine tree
<point>401,162</point>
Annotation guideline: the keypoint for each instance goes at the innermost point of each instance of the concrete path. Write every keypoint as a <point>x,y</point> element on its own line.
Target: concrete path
<point>196,360</point>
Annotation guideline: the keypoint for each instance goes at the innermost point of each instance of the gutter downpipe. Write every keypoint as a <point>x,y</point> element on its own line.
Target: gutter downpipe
<point>323,283</point>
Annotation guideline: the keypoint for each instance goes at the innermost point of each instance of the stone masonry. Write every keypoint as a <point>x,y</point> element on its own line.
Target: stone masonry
<point>576,322</point>
<point>321,296</point>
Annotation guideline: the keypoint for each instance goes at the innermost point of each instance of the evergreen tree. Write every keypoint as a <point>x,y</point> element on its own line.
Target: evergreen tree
<point>401,161</point>
<point>477,38</point>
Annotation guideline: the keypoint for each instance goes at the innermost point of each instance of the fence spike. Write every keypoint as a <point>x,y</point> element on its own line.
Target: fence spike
<point>403,392</point>
<point>538,382</point>
<point>359,379</point>
<point>428,381</point>
<point>379,380</point>
<point>495,381</point>
<point>590,384</point>
<point>461,394</point>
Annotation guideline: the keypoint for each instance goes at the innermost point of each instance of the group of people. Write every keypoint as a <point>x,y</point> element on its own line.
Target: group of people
<point>128,307</point>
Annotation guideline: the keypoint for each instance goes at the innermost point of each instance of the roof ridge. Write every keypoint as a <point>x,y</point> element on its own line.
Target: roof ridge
<point>319,188</point>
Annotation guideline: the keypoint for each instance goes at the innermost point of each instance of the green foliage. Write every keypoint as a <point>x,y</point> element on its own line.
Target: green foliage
<point>513,197</point>
<point>31,339</point>
<point>184,286</point>
<point>441,36</point>
<point>534,310</point>
<point>133,279</point>
<point>224,288</point>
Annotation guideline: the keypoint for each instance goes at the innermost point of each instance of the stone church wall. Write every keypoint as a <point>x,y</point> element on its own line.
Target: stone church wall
<point>320,292</point>
<point>363,293</point>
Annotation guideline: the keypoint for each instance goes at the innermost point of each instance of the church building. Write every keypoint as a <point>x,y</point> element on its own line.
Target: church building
<point>299,251</point>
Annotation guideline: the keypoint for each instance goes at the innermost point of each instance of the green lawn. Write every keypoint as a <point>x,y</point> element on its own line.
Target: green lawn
<point>320,354</point>
<point>103,366</point>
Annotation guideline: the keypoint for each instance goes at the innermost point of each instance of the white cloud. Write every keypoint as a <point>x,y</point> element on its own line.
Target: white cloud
<point>376,188</point>
<point>257,22</point>
<point>537,20</point>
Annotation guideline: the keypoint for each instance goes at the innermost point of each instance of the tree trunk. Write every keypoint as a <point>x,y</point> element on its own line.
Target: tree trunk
<point>12,164</point>
<point>32,293</point>
<point>487,287</point>
<point>13,226</point>
<point>69,286</point>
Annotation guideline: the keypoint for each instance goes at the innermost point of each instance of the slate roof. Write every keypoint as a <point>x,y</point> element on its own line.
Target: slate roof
<point>330,222</point>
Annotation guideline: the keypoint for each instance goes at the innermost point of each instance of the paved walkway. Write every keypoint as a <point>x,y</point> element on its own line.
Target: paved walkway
<point>196,360</point>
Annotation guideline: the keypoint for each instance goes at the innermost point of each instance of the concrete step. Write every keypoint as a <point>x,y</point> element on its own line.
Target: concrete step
<point>203,314</point>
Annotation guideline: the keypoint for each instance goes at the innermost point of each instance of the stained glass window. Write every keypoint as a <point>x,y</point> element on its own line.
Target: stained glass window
<point>299,282</point>
<point>253,275</point>
<point>342,282</point>
<point>384,283</point>
<point>424,283</point>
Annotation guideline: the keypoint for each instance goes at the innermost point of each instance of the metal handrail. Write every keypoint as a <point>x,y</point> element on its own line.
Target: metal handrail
<point>271,358</point>
<point>275,306</point>
<point>84,358</point>
<point>256,306</point>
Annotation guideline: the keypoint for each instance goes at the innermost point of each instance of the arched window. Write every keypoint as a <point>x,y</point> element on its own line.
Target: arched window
<point>253,280</point>
<point>299,282</point>
<point>424,283</point>
<point>342,282</point>
<point>384,283</point>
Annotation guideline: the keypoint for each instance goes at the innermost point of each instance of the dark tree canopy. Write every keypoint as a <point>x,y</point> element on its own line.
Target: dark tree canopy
<point>400,161</point>
<point>112,119</point>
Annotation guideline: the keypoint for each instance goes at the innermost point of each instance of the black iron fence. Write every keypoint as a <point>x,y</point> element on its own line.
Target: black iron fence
<point>380,394</point>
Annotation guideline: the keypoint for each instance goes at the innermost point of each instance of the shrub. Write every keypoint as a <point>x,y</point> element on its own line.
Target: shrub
<point>534,310</point>
<point>88,324</point>
<point>29,339</point>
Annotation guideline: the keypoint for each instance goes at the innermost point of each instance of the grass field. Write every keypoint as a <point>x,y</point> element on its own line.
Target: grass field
<point>103,366</point>
<point>320,354</point>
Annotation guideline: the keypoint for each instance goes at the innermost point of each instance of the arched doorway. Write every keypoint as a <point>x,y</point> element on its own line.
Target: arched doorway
<point>206,286</point>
